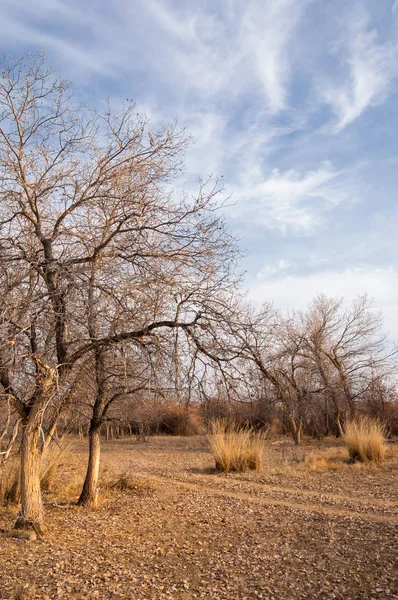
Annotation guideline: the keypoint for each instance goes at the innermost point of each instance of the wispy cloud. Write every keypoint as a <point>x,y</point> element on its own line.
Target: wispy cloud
<point>266,35</point>
<point>25,34</point>
<point>236,47</point>
<point>45,25</point>
<point>371,67</point>
<point>180,26</point>
<point>291,201</point>
<point>267,89</point>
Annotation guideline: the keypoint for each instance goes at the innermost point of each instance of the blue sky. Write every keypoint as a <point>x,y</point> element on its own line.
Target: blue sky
<point>293,101</point>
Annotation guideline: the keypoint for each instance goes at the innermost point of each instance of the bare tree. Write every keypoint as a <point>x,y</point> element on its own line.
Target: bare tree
<point>347,347</point>
<point>325,358</point>
<point>85,191</point>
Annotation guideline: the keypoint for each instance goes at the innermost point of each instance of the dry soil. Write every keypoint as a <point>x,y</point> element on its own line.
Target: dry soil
<point>309,526</point>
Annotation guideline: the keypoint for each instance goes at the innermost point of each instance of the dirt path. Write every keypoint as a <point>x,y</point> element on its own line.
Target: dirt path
<point>296,500</point>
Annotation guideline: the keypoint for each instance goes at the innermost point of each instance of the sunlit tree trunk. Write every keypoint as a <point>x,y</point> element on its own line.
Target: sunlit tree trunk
<point>31,513</point>
<point>297,427</point>
<point>50,436</point>
<point>89,494</point>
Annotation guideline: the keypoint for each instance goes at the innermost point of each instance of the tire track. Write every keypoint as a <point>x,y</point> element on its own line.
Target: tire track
<point>309,507</point>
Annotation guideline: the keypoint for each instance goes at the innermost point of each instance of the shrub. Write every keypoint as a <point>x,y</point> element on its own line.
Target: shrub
<point>235,448</point>
<point>364,440</point>
<point>166,417</point>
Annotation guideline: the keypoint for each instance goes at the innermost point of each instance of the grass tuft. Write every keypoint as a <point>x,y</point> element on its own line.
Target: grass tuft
<point>125,481</point>
<point>10,485</point>
<point>236,449</point>
<point>364,440</point>
<point>331,459</point>
<point>51,461</point>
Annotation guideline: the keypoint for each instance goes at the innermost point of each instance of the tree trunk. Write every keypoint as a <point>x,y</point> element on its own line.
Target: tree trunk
<point>89,495</point>
<point>340,428</point>
<point>49,436</point>
<point>31,513</point>
<point>296,431</point>
<point>52,429</point>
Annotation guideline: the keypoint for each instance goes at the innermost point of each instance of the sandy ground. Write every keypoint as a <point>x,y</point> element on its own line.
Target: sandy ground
<point>309,526</point>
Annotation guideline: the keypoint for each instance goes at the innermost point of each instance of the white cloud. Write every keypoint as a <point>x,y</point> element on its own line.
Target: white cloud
<point>294,292</point>
<point>171,23</point>
<point>270,269</point>
<point>239,77</point>
<point>243,46</point>
<point>372,67</point>
<point>291,201</point>
<point>207,153</point>
<point>266,32</point>
<point>21,27</point>
<point>237,49</point>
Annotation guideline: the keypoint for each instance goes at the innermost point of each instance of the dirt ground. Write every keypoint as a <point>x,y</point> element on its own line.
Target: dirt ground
<point>309,526</point>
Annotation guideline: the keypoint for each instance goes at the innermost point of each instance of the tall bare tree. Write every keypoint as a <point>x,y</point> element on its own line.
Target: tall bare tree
<point>88,191</point>
<point>347,346</point>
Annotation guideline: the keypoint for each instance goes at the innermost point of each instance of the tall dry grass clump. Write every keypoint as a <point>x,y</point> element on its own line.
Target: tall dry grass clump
<point>364,440</point>
<point>10,489</point>
<point>10,485</point>
<point>52,459</point>
<point>236,448</point>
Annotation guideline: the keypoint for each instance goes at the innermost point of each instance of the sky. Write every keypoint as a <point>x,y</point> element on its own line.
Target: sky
<point>294,102</point>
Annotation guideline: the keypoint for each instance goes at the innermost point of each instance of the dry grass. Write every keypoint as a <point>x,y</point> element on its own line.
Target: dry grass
<point>10,487</point>
<point>331,459</point>
<point>52,460</point>
<point>364,440</point>
<point>236,449</point>
<point>125,481</point>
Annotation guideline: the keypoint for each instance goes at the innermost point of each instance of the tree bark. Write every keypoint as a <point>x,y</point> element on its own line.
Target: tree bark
<point>50,436</point>
<point>296,431</point>
<point>31,513</point>
<point>89,494</point>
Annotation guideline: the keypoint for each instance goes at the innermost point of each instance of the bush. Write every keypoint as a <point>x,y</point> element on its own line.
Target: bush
<point>179,420</point>
<point>166,418</point>
<point>364,440</point>
<point>235,448</point>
